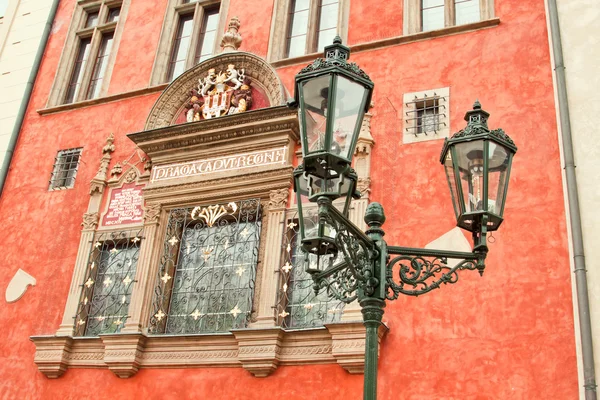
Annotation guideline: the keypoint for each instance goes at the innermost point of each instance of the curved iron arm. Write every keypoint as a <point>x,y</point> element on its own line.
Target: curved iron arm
<point>414,272</point>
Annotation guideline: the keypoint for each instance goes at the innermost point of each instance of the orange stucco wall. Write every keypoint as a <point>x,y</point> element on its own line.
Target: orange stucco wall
<point>508,335</point>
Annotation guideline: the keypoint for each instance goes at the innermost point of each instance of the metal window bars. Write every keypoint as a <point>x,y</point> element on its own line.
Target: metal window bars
<point>297,305</point>
<point>426,114</point>
<point>108,283</point>
<point>65,169</point>
<point>207,271</point>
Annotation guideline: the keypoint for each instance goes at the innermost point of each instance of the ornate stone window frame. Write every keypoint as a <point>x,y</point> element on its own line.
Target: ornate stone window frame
<point>70,50</point>
<point>412,14</point>
<point>263,345</point>
<point>174,9</point>
<point>280,24</point>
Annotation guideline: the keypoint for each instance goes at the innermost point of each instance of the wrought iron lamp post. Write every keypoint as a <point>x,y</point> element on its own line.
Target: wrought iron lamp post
<point>332,96</point>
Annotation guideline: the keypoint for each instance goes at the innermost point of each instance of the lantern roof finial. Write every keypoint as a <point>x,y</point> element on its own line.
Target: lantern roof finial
<point>477,105</point>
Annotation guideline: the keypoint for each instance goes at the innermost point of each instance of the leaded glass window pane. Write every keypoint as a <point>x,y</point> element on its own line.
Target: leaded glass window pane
<point>208,269</point>
<point>108,283</point>
<point>432,15</point>
<point>298,306</point>
<point>466,11</point>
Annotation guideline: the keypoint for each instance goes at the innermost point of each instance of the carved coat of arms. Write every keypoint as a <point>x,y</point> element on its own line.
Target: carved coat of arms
<point>219,94</point>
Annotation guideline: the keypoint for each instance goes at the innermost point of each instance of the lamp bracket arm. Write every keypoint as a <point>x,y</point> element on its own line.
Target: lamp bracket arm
<point>414,271</point>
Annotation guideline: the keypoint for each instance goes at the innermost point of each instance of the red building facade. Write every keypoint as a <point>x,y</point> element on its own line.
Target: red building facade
<point>104,124</point>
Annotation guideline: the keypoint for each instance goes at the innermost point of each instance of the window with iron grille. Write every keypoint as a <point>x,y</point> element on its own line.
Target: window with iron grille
<point>108,283</point>
<point>426,115</point>
<point>207,270</point>
<point>94,44</point>
<point>65,169</point>
<point>298,306</point>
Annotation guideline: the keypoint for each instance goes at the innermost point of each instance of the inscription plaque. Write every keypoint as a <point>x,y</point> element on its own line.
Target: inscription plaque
<point>125,206</point>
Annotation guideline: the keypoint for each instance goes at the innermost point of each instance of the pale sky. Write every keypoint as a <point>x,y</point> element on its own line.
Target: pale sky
<point>3,4</point>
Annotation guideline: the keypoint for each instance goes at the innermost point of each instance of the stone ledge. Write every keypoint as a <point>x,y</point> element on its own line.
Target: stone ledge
<point>259,351</point>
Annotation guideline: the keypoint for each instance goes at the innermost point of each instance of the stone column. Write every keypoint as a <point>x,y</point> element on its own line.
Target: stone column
<point>90,222</point>
<point>145,275</point>
<point>271,259</point>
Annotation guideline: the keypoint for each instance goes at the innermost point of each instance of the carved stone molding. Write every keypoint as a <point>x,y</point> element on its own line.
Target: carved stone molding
<point>278,198</point>
<point>52,354</point>
<point>232,39</point>
<point>99,181</point>
<point>259,351</point>
<point>151,213</point>
<point>364,186</point>
<point>123,353</point>
<point>349,340</point>
<point>263,76</point>
<point>90,221</point>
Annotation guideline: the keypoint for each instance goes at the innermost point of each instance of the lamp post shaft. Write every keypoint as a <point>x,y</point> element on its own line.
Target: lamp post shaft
<point>372,310</point>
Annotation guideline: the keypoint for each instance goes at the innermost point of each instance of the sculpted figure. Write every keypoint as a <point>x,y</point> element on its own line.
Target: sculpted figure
<point>234,76</point>
<point>208,82</point>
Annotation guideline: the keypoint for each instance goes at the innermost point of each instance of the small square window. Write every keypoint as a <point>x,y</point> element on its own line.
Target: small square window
<point>65,169</point>
<point>426,115</point>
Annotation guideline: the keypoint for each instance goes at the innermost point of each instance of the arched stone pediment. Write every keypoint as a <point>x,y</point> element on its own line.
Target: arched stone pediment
<point>170,103</point>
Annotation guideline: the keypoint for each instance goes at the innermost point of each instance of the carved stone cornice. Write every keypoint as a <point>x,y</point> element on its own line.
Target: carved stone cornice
<point>90,221</point>
<point>263,76</point>
<point>231,128</point>
<point>278,198</point>
<point>260,351</point>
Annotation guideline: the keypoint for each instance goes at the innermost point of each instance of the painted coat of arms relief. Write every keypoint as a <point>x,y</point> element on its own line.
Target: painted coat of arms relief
<point>219,94</point>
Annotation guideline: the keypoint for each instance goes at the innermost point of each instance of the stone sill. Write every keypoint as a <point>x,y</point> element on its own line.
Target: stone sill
<point>102,100</point>
<point>393,41</point>
<point>259,351</point>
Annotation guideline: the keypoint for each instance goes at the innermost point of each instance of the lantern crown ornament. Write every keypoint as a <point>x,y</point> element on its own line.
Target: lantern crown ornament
<point>478,162</point>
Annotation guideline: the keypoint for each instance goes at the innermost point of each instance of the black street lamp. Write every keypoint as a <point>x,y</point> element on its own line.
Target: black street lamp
<point>332,96</point>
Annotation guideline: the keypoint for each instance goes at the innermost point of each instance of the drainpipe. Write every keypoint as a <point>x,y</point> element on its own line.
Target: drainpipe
<point>27,95</point>
<point>585,326</point>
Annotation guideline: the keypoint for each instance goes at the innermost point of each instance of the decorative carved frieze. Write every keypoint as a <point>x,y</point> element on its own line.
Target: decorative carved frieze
<point>260,351</point>
<point>52,354</point>
<point>152,213</point>
<point>348,339</point>
<point>90,221</point>
<point>123,353</point>
<point>232,39</point>
<point>278,198</point>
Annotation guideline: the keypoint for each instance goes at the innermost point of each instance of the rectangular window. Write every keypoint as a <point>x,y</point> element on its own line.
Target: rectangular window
<point>100,66</point>
<point>298,307</point>
<point>208,34</point>
<point>193,37</point>
<point>328,22</point>
<point>428,115</point>
<point>430,15</point>
<point>78,69</point>
<point>65,169</point>
<point>207,272</point>
<point>312,25</point>
<point>108,283</point>
<point>95,43</point>
<point>181,46</point>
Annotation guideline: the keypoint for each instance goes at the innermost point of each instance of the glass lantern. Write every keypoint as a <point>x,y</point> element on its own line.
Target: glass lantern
<point>477,161</point>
